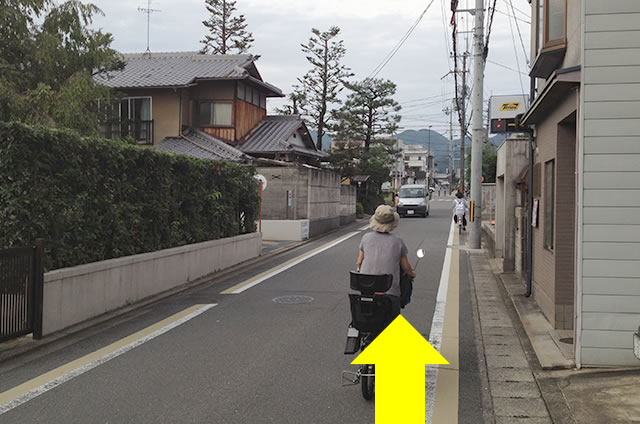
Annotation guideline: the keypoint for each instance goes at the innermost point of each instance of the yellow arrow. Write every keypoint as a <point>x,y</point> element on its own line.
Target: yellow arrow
<point>400,354</point>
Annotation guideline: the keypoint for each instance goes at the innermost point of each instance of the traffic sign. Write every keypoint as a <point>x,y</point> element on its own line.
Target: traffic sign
<point>262,179</point>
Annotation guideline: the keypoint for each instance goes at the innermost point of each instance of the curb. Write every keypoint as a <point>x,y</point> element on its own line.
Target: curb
<point>200,283</point>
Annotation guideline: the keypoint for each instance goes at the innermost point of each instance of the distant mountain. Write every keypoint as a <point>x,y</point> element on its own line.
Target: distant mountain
<point>440,144</point>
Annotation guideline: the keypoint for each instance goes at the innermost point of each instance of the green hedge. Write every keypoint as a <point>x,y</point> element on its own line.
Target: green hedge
<point>94,199</point>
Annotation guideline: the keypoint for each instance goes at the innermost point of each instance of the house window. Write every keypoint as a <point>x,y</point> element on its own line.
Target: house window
<point>549,200</point>
<point>212,113</point>
<point>241,90</point>
<point>551,23</point>
<point>135,119</point>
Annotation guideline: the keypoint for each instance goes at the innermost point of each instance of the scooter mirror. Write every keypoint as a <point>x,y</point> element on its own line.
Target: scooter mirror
<point>420,253</point>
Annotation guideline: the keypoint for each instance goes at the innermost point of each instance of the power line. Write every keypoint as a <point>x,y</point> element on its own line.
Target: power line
<point>425,98</point>
<point>521,20</point>
<point>485,52</point>
<point>393,52</point>
<point>524,13</point>
<point>515,50</point>
<point>524,50</point>
<point>505,67</point>
<point>444,29</point>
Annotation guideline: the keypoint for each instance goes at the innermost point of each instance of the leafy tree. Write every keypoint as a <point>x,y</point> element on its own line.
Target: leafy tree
<point>324,81</point>
<point>369,112</point>
<point>227,32</point>
<point>48,59</point>
<point>364,146</point>
<point>489,163</point>
<point>298,103</point>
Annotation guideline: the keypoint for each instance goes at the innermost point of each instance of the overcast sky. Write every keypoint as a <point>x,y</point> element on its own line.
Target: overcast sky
<point>370,29</point>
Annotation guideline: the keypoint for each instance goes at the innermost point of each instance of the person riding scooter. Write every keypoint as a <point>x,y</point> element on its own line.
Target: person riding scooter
<point>381,252</point>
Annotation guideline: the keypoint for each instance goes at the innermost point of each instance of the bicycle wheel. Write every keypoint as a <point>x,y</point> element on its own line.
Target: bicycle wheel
<point>367,384</point>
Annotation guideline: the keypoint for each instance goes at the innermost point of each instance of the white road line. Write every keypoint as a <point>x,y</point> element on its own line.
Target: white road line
<point>254,282</point>
<point>43,388</point>
<point>437,324</point>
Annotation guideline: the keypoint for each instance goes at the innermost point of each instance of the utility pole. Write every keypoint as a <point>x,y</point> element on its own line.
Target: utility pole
<point>477,130</point>
<point>429,160</point>
<point>463,120</point>
<point>449,112</point>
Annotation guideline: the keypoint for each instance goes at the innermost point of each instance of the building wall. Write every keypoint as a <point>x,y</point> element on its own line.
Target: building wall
<point>609,239</point>
<point>573,51</point>
<point>512,158</point>
<point>546,261</point>
<point>165,111</point>
<point>247,116</point>
<point>315,195</point>
<point>565,222</point>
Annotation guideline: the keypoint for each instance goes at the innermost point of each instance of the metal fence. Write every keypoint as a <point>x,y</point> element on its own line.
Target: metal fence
<point>21,288</point>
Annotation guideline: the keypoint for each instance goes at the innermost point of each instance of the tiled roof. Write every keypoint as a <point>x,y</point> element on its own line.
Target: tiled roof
<point>271,135</point>
<point>202,146</point>
<point>179,69</point>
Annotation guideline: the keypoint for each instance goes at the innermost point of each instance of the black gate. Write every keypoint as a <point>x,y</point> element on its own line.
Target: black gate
<point>21,287</point>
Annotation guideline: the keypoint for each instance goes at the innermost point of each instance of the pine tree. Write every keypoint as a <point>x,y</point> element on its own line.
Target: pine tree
<point>298,103</point>
<point>227,33</point>
<point>324,81</point>
<point>369,112</point>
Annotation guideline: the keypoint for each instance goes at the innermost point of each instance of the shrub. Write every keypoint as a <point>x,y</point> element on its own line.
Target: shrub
<point>95,199</point>
<point>359,210</point>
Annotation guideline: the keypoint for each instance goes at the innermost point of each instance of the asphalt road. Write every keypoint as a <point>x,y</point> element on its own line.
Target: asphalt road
<point>249,359</point>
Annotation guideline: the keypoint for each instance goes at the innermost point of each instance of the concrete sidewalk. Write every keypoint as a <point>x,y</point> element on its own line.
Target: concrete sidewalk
<point>515,396</point>
<point>532,365</point>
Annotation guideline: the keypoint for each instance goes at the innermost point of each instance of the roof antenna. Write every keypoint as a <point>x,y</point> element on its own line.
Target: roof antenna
<point>148,10</point>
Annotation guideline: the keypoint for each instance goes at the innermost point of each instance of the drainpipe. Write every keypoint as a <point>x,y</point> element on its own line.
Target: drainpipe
<point>532,150</point>
<point>530,218</point>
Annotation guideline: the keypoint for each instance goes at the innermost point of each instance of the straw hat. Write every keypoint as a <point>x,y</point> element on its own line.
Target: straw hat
<point>384,220</point>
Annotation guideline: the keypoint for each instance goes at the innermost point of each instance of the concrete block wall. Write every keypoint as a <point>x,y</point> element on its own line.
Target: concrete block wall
<point>488,201</point>
<point>324,202</point>
<point>347,204</point>
<point>73,295</point>
<point>512,158</point>
<point>280,180</point>
<point>316,196</point>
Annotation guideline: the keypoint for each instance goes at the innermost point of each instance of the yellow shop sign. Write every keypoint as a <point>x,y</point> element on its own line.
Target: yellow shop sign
<point>510,106</point>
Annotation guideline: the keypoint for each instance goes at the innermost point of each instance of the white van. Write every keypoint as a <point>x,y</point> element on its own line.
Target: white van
<point>414,199</point>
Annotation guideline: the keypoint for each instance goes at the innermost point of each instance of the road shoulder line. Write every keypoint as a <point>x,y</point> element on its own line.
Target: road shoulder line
<point>254,281</point>
<point>33,388</point>
<point>437,327</point>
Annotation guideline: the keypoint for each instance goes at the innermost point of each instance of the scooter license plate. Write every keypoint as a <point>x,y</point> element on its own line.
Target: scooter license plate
<point>410,212</point>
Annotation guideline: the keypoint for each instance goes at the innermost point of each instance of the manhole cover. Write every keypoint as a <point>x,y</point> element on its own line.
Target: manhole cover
<point>567,340</point>
<point>292,300</point>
